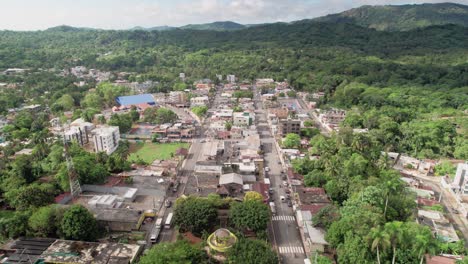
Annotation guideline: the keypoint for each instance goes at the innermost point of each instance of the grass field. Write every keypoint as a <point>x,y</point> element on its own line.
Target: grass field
<point>153,151</point>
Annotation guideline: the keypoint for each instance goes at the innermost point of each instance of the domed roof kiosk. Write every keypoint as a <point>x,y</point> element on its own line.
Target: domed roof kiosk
<point>221,240</point>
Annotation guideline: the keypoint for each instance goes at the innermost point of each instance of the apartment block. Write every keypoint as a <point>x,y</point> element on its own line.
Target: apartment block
<point>286,126</point>
<point>106,139</point>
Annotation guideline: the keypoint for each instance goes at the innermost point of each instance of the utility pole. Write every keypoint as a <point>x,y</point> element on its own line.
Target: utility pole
<point>75,187</point>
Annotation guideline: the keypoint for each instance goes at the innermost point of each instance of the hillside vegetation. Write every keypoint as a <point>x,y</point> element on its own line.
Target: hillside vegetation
<point>402,17</point>
<point>217,26</point>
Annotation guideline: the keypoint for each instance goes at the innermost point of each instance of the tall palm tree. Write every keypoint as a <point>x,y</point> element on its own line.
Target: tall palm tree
<point>380,240</point>
<point>424,243</point>
<point>395,232</point>
<point>391,184</point>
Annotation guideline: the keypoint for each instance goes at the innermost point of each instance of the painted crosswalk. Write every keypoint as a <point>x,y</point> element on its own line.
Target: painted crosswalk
<point>283,218</point>
<point>291,250</point>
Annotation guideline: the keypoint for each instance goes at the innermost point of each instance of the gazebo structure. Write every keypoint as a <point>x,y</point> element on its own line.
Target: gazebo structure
<point>221,240</point>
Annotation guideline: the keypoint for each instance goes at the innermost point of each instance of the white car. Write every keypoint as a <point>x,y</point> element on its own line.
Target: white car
<point>267,169</point>
<point>283,199</point>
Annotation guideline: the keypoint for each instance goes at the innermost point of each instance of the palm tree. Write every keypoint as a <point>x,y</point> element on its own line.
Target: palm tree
<point>394,230</point>
<point>380,240</point>
<point>391,184</point>
<point>424,243</point>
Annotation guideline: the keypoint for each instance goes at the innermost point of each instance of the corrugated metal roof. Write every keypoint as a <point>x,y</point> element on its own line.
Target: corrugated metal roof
<point>136,99</point>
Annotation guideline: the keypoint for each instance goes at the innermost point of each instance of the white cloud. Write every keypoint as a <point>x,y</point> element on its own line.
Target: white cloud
<point>121,14</point>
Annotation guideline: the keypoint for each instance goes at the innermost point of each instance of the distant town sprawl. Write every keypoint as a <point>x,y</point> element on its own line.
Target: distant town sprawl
<point>135,161</point>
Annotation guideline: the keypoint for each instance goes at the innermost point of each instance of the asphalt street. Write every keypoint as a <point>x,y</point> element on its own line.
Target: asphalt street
<point>283,229</point>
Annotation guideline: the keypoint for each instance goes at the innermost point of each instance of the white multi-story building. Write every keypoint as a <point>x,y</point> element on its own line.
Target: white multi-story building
<point>199,101</point>
<point>106,139</point>
<point>231,78</point>
<point>78,131</point>
<point>243,119</point>
<point>177,97</point>
<point>460,182</point>
<point>77,134</point>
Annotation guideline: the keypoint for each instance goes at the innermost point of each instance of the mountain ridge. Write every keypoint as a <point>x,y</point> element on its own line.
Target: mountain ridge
<point>379,17</point>
<point>401,17</point>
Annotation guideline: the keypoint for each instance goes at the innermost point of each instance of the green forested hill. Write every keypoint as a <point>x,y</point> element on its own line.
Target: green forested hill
<point>218,26</point>
<point>402,17</point>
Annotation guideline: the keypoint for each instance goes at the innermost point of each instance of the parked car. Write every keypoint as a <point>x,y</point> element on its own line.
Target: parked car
<point>267,169</point>
<point>285,183</point>
<point>283,199</point>
<point>270,191</point>
<point>289,203</point>
<point>168,203</point>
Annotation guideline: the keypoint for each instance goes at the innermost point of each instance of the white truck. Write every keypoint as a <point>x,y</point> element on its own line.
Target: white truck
<point>273,208</point>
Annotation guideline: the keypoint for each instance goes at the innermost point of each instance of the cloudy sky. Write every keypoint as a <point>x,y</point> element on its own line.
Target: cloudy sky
<point>124,14</point>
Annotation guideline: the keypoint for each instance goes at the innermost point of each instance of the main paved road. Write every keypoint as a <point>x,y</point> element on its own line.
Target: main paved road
<point>283,230</point>
<point>168,235</point>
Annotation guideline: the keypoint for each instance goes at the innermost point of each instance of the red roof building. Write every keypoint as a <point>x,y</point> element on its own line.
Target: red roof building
<point>262,189</point>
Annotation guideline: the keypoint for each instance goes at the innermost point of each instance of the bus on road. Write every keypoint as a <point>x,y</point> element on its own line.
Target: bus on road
<point>168,223</point>
<point>156,230</point>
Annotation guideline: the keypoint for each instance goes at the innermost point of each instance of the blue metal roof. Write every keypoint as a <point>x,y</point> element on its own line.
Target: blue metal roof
<point>135,99</point>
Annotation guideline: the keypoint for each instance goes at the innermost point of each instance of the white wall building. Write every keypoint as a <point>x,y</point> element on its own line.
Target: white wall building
<point>177,97</point>
<point>77,134</point>
<point>243,119</point>
<point>460,182</point>
<point>231,78</point>
<point>199,101</point>
<point>224,113</point>
<point>78,131</point>
<point>106,139</point>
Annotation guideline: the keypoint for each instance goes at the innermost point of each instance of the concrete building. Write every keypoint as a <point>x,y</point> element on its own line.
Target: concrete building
<point>230,184</point>
<point>264,82</point>
<point>279,113</point>
<point>243,119</point>
<point>178,98</point>
<point>77,134</point>
<point>313,237</point>
<point>225,113</point>
<point>106,139</point>
<point>231,78</point>
<point>286,126</point>
<point>81,252</point>
<point>118,219</point>
<point>13,71</point>
<point>199,101</point>
<point>460,182</point>
<point>333,118</point>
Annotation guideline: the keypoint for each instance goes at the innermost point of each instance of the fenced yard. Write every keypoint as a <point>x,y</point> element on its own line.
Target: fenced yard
<point>153,151</point>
